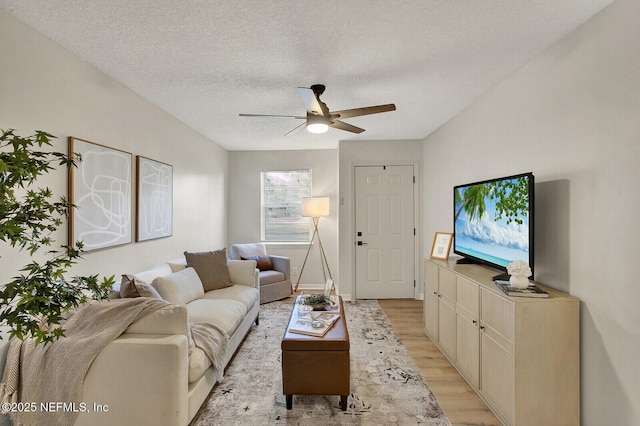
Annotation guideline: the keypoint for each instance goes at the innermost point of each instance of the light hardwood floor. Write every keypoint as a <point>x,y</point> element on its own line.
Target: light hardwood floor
<point>459,402</point>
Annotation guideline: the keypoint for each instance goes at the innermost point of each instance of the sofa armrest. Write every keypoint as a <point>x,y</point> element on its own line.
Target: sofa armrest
<point>244,272</point>
<point>171,319</point>
<point>140,379</point>
<point>282,264</point>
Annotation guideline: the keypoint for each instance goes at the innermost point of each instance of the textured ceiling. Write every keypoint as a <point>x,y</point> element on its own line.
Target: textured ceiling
<point>205,62</point>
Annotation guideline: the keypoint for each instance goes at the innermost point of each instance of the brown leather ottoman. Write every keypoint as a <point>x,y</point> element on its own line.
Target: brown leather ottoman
<point>316,365</point>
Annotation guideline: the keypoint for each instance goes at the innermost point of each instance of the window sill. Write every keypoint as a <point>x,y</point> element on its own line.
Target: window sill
<point>286,243</point>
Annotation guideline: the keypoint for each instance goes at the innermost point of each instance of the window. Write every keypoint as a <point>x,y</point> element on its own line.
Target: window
<point>282,193</point>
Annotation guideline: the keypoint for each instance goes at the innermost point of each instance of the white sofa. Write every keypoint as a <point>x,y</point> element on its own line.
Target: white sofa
<point>152,374</point>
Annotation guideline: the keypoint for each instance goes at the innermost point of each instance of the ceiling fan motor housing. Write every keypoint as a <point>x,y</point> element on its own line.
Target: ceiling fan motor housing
<point>318,89</point>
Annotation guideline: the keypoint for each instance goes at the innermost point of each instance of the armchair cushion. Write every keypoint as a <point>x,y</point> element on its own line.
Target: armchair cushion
<point>270,277</point>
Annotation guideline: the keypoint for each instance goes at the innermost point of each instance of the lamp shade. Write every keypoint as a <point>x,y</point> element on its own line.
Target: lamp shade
<point>315,206</point>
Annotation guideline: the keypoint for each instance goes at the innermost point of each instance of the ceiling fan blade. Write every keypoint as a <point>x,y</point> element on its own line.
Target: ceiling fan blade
<point>311,102</point>
<point>356,112</point>
<point>337,124</point>
<point>295,129</point>
<point>297,117</point>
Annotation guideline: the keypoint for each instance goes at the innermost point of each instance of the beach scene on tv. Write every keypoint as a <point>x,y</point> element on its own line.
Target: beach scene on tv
<point>492,220</point>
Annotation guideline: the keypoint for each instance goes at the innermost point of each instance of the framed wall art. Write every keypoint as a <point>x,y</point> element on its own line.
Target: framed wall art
<point>100,190</point>
<point>154,199</point>
<point>441,245</point>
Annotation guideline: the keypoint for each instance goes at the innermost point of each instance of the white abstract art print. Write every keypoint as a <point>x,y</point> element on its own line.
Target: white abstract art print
<point>154,199</point>
<point>100,189</point>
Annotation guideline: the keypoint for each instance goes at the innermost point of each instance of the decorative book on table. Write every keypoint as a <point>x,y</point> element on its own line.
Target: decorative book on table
<point>531,291</point>
<point>314,324</point>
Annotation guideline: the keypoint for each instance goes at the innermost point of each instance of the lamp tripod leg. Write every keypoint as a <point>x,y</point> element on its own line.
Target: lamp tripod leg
<point>315,231</point>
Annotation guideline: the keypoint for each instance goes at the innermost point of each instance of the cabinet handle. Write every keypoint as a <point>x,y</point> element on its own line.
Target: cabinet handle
<point>474,322</point>
<point>435,292</point>
<point>482,327</point>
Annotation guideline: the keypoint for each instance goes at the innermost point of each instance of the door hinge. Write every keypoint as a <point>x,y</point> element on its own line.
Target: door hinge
<point>414,232</point>
<point>414,283</point>
<point>414,179</point>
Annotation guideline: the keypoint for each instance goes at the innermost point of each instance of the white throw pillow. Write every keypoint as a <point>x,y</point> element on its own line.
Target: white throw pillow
<point>180,287</point>
<point>147,276</point>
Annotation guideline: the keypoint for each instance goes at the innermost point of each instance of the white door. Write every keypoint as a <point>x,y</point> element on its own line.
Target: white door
<point>385,232</point>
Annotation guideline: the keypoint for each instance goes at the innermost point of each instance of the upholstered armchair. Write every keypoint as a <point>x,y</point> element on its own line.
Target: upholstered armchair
<point>275,271</point>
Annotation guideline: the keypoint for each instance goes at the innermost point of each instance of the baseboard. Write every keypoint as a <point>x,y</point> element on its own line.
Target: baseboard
<point>311,287</point>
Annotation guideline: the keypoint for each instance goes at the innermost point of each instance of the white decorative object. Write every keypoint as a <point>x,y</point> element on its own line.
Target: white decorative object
<point>519,282</point>
<point>520,272</point>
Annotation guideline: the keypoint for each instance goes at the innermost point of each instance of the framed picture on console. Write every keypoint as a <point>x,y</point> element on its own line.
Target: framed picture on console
<point>154,199</point>
<point>100,190</point>
<point>328,286</point>
<point>441,245</point>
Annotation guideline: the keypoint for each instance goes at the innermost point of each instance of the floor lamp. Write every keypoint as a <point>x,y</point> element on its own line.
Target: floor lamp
<point>315,207</point>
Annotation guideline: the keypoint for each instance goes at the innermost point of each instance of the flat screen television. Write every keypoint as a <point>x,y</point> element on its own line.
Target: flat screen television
<point>493,221</point>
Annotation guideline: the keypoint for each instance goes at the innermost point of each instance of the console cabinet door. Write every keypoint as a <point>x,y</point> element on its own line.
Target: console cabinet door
<point>447,313</point>
<point>468,329</point>
<point>431,300</point>
<point>497,360</point>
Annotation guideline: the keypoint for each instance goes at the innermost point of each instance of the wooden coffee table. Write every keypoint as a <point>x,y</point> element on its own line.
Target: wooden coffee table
<point>316,365</point>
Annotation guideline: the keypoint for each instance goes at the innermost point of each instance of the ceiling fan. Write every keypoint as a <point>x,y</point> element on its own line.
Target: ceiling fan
<point>319,118</point>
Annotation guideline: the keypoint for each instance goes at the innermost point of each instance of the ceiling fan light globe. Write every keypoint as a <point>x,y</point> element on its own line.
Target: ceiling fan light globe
<point>317,128</point>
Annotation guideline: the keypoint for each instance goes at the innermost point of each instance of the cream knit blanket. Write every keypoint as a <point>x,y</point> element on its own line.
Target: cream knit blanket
<point>55,372</point>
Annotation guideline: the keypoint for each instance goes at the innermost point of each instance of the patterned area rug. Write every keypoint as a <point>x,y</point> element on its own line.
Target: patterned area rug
<point>386,386</point>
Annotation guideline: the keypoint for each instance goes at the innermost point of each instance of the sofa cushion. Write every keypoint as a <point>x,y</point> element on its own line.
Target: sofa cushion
<point>270,277</point>
<point>212,268</point>
<point>179,287</point>
<point>199,362</point>
<point>263,263</point>
<point>177,264</point>
<point>172,319</point>
<point>240,293</point>
<point>243,272</point>
<point>226,314</point>
<point>131,287</point>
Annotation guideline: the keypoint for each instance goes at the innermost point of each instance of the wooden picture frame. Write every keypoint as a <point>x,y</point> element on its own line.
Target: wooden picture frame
<point>154,199</point>
<point>441,245</point>
<point>328,286</point>
<point>100,191</point>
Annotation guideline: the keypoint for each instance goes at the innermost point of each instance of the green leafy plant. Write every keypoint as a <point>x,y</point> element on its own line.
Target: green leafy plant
<point>35,303</point>
<point>315,300</point>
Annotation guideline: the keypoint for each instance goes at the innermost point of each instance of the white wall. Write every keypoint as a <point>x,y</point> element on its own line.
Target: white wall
<point>245,210</point>
<point>44,87</point>
<point>375,153</point>
<point>572,116</point>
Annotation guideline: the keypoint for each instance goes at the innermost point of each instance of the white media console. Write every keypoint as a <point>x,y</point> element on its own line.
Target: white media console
<point>520,354</point>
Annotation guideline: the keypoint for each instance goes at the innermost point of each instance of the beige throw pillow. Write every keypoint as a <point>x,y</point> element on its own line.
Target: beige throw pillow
<point>211,267</point>
<point>131,287</point>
